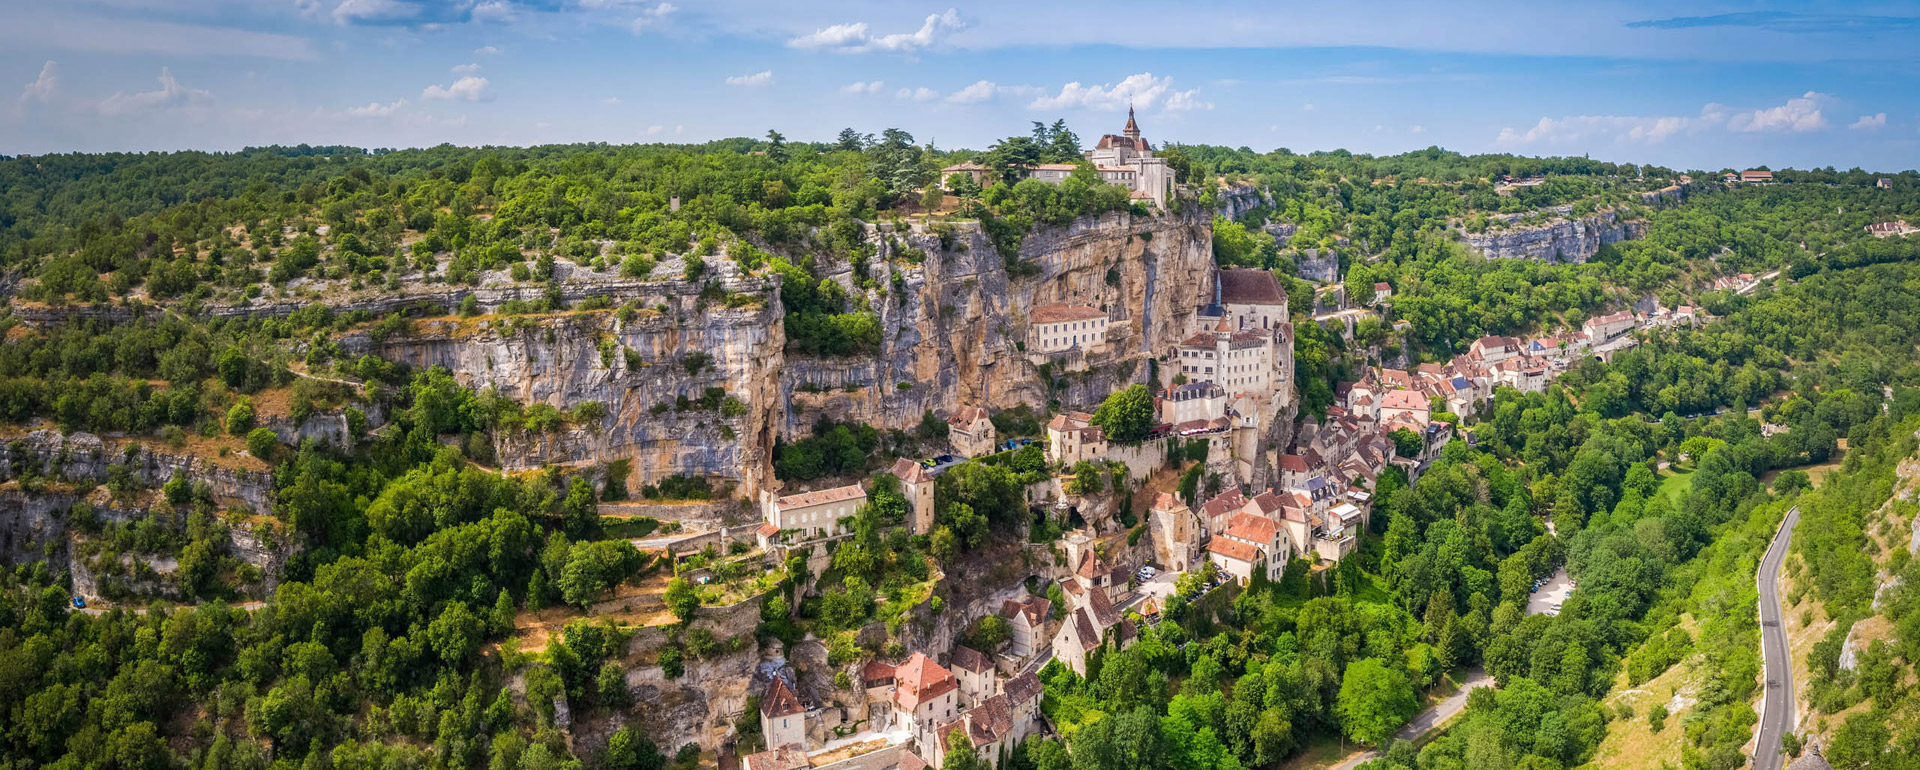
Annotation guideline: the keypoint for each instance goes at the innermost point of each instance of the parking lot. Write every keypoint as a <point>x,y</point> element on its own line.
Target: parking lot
<point>1551,594</point>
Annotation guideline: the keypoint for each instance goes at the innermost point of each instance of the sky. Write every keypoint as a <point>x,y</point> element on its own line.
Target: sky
<point>1684,83</point>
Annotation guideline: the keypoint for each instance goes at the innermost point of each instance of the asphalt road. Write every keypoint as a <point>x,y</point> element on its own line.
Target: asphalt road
<point>1776,706</point>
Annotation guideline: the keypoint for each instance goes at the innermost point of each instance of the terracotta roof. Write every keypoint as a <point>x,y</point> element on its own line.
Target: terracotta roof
<point>969,658</point>
<point>1250,287</point>
<point>781,700</point>
<point>909,472</point>
<point>788,757</point>
<point>767,530</point>
<point>1053,167</point>
<point>983,725</point>
<point>911,761</point>
<point>821,497</point>
<point>1165,501</point>
<point>1403,399</point>
<point>920,680</point>
<point>967,166</point>
<point>1293,463</point>
<point>1061,313</point>
<point>1246,526</point>
<point>1233,549</point>
<point>1090,566</point>
<point>1382,286</point>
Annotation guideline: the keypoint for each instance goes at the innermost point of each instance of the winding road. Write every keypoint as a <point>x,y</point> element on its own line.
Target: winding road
<point>1776,706</point>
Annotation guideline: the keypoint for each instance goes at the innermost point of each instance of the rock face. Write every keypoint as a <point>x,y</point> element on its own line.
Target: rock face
<point>1564,240</point>
<point>567,360</point>
<point>955,335</point>
<point>34,524</point>
<point>84,457</point>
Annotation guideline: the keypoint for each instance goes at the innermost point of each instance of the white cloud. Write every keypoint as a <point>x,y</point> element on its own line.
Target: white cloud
<point>1877,120</point>
<point>350,11</point>
<point>1418,129</point>
<point>1625,128</point>
<point>610,100</point>
<point>377,110</point>
<point>1308,107</point>
<point>1143,91</point>
<point>494,10</point>
<point>486,50</point>
<point>655,130</point>
<point>857,37</point>
<point>43,88</point>
<point>170,96</point>
<point>466,69</point>
<point>652,16</point>
<point>921,94</point>
<point>755,80</point>
<point>466,89</point>
<point>976,93</point>
<point>864,87</point>
<point>1798,115</point>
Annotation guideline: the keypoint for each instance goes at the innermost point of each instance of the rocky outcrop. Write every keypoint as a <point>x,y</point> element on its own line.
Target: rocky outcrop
<point>85,458</point>
<point>678,346</point>
<point>1237,200</point>
<point>954,330</point>
<point>1563,240</point>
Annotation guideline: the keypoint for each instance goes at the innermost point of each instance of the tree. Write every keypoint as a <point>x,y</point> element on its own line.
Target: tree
<point>261,442</point>
<point>1374,701</point>
<point>776,146</point>
<point>961,755</point>
<point>681,599</point>
<point>1126,415</point>
<point>1406,443</point>
<point>240,417</point>
<point>456,633</point>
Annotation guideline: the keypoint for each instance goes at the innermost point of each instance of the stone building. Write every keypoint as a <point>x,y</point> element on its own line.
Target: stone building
<point>811,515</point>
<point>970,432</point>
<point>1060,327</point>
<point>925,695</point>
<point>1072,437</point>
<point>783,719</point>
<point>916,484</point>
<point>1026,625</point>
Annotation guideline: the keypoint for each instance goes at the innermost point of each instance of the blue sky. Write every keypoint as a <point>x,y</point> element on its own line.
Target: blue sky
<point>1687,84</point>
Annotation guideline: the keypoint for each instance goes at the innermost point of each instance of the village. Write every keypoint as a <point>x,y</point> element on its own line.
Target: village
<point>1270,491</point>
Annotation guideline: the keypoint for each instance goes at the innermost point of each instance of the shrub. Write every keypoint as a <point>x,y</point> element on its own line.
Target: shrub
<point>261,443</point>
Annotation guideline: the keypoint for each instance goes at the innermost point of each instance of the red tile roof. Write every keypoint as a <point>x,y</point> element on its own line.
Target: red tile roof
<point>920,680</point>
<point>1233,549</point>
<point>781,700</point>
<point>821,497</point>
<point>1246,526</point>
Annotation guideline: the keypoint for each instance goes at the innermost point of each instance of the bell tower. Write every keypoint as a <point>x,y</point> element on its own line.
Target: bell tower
<point>1132,131</point>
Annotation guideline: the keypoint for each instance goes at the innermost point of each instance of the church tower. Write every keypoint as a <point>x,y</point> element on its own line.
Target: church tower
<point>1132,131</point>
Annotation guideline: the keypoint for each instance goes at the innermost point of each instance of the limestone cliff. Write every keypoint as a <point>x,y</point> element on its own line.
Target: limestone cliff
<point>954,333</point>
<point>679,345</point>
<point>1565,239</point>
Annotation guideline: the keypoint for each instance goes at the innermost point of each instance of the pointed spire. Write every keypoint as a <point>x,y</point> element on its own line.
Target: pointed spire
<point>1132,130</point>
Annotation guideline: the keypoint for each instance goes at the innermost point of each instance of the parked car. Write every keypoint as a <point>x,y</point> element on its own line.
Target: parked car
<point>80,602</point>
<point>1146,573</point>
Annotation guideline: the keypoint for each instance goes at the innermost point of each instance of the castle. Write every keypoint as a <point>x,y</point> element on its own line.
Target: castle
<point>1128,160</point>
<point>1124,159</point>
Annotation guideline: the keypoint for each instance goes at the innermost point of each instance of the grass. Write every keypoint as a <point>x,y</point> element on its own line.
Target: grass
<point>628,527</point>
<point>1675,485</point>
